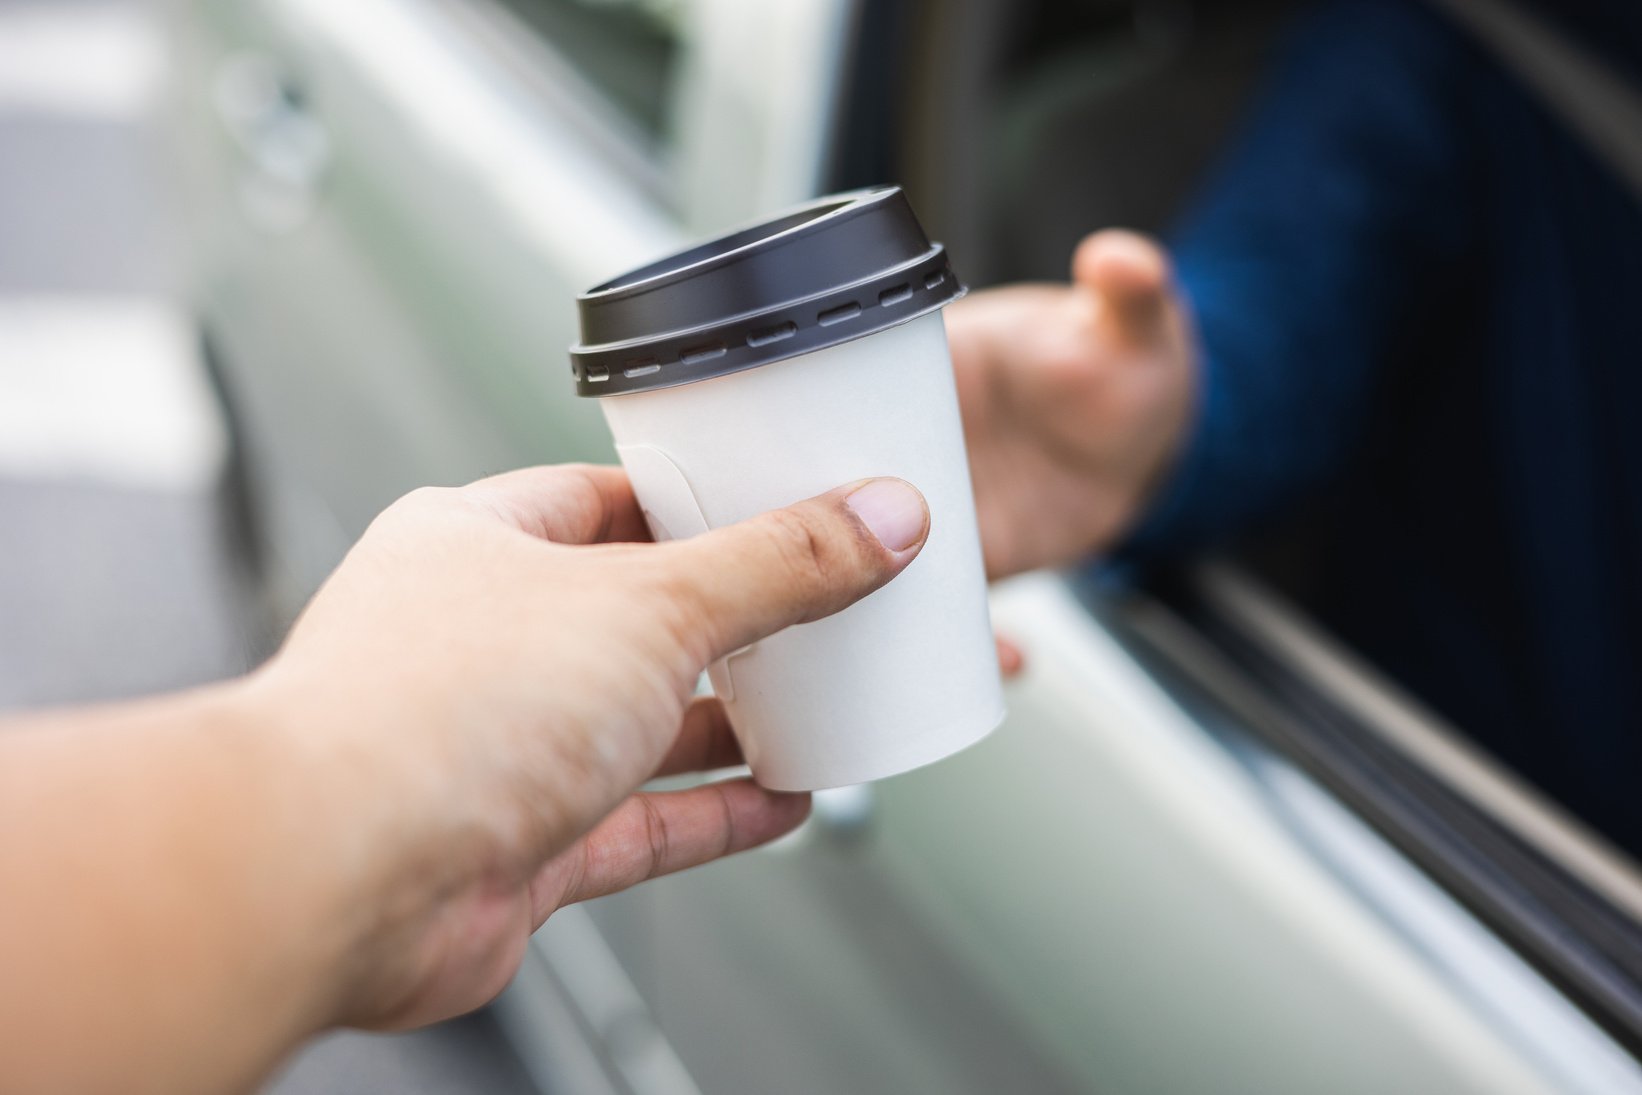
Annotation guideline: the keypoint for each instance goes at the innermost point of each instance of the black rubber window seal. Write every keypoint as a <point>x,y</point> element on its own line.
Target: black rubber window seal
<point>1576,937</point>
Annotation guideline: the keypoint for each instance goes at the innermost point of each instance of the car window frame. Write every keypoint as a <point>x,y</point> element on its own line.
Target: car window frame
<point>670,171</point>
<point>1556,893</point>
<point>556,83</point>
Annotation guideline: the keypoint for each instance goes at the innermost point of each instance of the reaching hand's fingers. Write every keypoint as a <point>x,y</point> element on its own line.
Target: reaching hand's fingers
<point>1010,659</point>
<point>1129,275</point>
<point>742,583</point>
<point>571,504</point>
<point>706,741</point>
<point>657,833</point>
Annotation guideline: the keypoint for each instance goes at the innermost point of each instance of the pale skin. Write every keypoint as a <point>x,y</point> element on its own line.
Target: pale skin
<point>452,743</point>
<point>1076,400</point>
<point>449,747</point>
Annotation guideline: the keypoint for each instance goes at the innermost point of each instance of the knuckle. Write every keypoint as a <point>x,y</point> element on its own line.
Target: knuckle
<point>583,494</point>
<point>730,838</point>
<point>416,507</point>
<point>427,498</point>
<point>655,833</point>
<point>805,553</point>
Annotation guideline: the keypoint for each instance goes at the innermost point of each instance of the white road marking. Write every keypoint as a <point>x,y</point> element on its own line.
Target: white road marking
<point>107,389</point>
<point>94,62</point>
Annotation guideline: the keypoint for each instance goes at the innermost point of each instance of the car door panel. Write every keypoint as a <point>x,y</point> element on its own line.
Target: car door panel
<point>409,326</point>
<point>1099,897</point>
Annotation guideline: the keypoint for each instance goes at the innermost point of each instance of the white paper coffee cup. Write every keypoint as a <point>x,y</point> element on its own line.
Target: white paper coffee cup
<point>813,356</point>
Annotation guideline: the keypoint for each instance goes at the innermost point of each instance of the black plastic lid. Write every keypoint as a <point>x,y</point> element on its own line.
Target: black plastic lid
<point>839,268</point>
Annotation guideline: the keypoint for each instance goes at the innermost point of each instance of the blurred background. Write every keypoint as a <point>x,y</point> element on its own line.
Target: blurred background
<point>113,441</point>
<point>125,562</point>
<point>267,264</point>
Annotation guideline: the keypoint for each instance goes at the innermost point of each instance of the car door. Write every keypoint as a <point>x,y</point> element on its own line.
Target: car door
<point>398,201</point>
<point>1125,889</point>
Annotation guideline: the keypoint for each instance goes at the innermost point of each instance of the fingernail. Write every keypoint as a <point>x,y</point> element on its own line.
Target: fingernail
<point>893,510</point>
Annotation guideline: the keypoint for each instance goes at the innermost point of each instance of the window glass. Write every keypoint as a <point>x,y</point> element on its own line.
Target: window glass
<point>626,48</point>
<point>1416,515</point>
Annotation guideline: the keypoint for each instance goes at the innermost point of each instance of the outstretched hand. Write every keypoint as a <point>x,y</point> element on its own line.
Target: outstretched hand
<point>450,746</point>
<point>513,663</point>
<point>1075,400</point>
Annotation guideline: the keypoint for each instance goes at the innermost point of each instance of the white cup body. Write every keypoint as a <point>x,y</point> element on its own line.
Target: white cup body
<point>908,675</point>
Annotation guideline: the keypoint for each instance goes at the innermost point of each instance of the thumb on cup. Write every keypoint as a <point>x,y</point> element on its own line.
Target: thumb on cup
<point>746,581</point>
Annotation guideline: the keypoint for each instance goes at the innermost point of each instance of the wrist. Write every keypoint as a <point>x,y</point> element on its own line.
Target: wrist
<point>303,846</point>
<point>382,858</point>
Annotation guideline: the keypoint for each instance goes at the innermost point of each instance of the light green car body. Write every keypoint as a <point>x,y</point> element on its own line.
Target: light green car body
<point>395,203</point>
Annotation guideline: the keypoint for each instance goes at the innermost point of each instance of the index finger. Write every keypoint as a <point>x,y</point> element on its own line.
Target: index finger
<point>567,503</point>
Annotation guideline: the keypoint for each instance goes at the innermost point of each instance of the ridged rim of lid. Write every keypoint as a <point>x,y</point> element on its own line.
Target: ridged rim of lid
<point>835,269</point>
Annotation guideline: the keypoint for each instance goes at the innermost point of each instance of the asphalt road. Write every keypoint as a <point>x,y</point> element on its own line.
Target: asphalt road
<point>121,572</point>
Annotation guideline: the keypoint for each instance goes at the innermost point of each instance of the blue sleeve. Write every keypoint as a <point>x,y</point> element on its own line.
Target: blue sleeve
<point>1316,241</point>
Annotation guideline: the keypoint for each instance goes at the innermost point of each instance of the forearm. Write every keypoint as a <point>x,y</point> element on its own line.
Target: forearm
<point>178,913</point>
